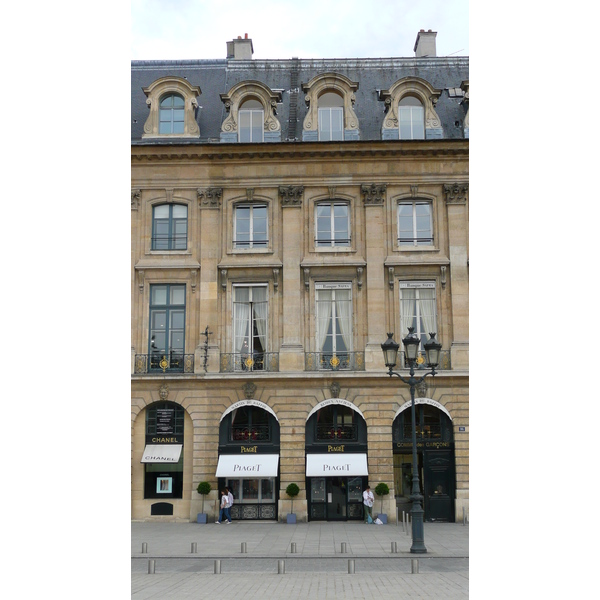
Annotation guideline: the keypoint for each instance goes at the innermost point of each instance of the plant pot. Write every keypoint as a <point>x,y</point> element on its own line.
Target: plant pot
<point>383,518</point>
<point>291,518</point>
<point>202,518</point>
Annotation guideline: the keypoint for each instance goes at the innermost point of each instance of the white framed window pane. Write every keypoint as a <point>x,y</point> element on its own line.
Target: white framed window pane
<point>178,127</point>
<point>324,124</point>
<point>418,123</point>
<point>179,211</point>
<point>159,320</point>
<point>177,294</point>
<point>178,101</point>
<point>405,119</point>
<point>257,125</point>
<point>161,212</point>
<point>177,319</point>
<point>337,127</point>
<point>244,126</point>
<point>159,295</point>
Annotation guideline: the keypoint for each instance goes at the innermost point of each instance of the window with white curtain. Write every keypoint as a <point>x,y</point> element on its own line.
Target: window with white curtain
<point>250,311</point>
<point>331,117</point>
<point>411,117</point>
<point>418,309</point>
<point>251,121</point>
<point>334,318</point>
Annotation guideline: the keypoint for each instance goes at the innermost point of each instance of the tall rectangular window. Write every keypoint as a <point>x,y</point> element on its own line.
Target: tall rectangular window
<point>418,309</point>
<point>169,227</point>
<point>334,321</point>
<point>331,124</point>
<point>251,226</point>
<point>332,226</point>
<point>415,226</point>
<point>250,335</point>
<point>411,118</point>
<point>167,326</point>
<point>251,125</point>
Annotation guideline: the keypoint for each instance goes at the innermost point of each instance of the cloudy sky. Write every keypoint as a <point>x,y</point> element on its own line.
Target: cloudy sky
<point>199,29</point>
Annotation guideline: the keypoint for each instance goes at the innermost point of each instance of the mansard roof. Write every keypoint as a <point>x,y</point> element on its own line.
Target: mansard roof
<point>373,75</point>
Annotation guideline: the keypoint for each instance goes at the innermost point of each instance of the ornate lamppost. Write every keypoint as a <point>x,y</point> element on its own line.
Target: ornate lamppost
<point>390,353</point>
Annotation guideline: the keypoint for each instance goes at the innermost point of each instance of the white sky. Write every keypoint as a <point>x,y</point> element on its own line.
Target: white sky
<point>200,29</point>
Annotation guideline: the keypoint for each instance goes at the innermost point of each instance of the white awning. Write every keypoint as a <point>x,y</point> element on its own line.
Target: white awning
<point>329,465</point>
<point>248,465</point>
<point>162,453</point>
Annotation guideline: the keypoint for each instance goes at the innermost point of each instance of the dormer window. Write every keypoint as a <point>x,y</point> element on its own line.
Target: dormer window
<point>331,117</point>
<point>173,106</point>
<point>251,121</point>
<point>411,117</point>
<point>171,114</point>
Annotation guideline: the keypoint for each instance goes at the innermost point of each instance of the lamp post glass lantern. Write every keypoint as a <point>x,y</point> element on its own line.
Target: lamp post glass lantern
<point>411,350</point>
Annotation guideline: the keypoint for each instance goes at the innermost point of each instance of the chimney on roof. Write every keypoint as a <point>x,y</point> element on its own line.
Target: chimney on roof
<point>425,44</point>
<point>240,49</point>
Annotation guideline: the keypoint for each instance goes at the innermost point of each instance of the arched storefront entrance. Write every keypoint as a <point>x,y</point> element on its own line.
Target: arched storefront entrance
<point>435,450</point>
<point>336,461</point>
<point>249,459</point>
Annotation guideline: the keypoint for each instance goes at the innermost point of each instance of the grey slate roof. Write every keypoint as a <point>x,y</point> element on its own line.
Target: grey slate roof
<point>215,77</point>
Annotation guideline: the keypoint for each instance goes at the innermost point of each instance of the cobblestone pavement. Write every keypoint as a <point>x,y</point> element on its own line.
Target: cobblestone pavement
<point>319,568</point>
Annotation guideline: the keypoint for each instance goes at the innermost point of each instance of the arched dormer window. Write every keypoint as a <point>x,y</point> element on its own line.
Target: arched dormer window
<point>252,114</point>
<point>172,102</point>
<point>330,99</point>
<point>251,121</point>
<point>331,117</point>
<point>410,107</point>
<point>411,118</point>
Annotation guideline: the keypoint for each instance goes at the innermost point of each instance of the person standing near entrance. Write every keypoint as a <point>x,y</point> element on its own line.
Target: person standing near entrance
<point>229,504</point>
<point>368,500</point>
<point>223,507</point>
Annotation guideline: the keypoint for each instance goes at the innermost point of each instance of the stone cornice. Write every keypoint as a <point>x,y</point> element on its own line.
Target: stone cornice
<point>418,149</point>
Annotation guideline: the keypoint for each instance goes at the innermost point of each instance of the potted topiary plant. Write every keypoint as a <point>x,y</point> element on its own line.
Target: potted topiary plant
<point>203,489</point>
<point>382,490</point>
<point>292,491</point>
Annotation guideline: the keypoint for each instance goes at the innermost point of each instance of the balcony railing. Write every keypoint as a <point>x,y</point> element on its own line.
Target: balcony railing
<point>173,363</point>
<point>250,433</point>
<point>336,433</point>
<point>326,361</point>
<point>259,361</point>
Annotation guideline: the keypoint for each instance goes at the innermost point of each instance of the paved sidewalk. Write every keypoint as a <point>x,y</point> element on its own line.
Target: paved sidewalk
<point>318,569</point>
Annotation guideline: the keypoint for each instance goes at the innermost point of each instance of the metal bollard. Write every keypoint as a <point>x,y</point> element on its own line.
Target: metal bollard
<point>414,565</point>
<point>293,547</point>
<point>217,567</point>
<point>281,567</point>
<point>244,550</point>
<point>194,548</point>
<point>343,547</point>
<point>151,566</point>
<point>144,548</point>
<point>394,547</point>
<point>351,567</point>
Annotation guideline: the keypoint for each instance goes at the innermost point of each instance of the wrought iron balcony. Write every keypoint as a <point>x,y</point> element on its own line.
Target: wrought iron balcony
<point>160,363</point>
<point>336,433</point>
<point>250,433</point>
<point>326,361</point>
<point>239,362</point>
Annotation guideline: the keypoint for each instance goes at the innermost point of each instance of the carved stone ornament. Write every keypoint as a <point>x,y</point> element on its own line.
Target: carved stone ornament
<point>249,390</point>
<point>421,389</point>
<point>210,197</point>
<point>334,388</point>
<point>418,88</point>
<point>163,392</point>
<point>456,193</point>
<point>257,91</point>
<point>136,196</point>
<point>373,194</point>
<point>291,195</point>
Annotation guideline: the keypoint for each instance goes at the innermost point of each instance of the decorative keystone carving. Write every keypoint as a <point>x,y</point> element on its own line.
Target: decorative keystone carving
<point>210,197</point>
<point>163,392</point>
<point>334,388</point>
<point>421,389</point>
<point>456,193</point>
<point>249,194</point>
<point>136,196</point>
<point>249,390</point>
<point>414,190</point>
<point>291,195</point>
<point>373,194</point>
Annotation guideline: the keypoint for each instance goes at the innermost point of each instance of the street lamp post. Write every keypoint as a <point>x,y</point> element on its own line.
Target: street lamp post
<point>390,352</point>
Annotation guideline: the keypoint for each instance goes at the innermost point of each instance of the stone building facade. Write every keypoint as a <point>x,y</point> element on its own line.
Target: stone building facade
<point>286,215</point>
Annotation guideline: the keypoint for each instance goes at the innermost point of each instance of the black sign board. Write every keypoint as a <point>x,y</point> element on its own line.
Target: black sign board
<point>165,421</point>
